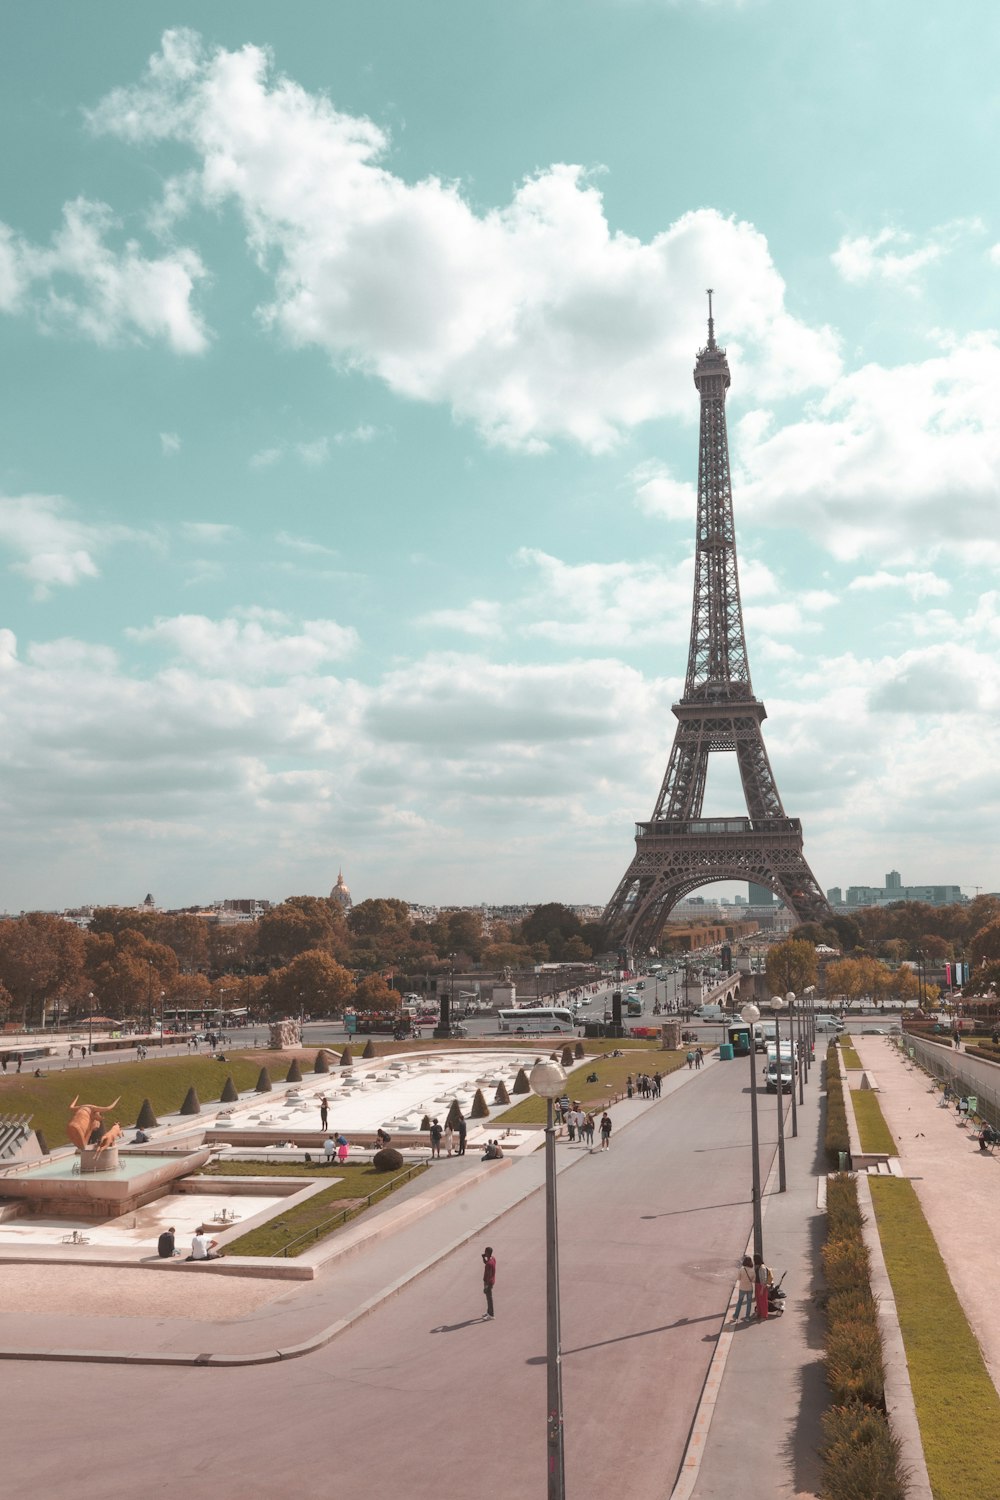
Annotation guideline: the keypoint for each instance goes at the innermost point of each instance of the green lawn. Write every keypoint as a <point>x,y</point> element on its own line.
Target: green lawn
<point>612,1073</point>
<point>957,1403</point>
<point>874,1132</point>
<point>163,1081</point>
<point>316,1214</point>
<point>851,1058</point>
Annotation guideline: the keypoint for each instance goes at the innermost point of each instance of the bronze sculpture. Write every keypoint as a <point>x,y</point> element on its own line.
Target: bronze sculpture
<point>85,1120</point>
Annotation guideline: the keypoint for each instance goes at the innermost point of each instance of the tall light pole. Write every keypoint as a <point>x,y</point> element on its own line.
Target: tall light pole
<point>90,1027</point>
<point>750,1014</point>
<point>800,1046</point>
<point>778,1005</point>
<point>810,994</point>
<point>796,1062</point>
<point>548,1080</point>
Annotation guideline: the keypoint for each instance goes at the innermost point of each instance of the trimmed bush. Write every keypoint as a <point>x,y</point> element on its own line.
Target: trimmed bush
<point>321,1065</point>
<point>521,1084</point>
<point>263,1085</point>
<point>229,1094</point>
<point>837,1137</point>
<point>191,1105</point>
<point>453,1117</point>
<point>294,1074</point>
<point>425,1123</point>
<point>567,1057</point>
<point>480,1109</point>
<point>578,1051</point>
<point>387,1160</point>
<point>347,1058</point>
<point>501,1096</point>
<point>146,1119</point>
<point>860,1455</point>
<point>369,1049</point>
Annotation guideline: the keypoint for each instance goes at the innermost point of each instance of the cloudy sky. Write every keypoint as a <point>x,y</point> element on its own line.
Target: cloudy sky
<point>349,437</point>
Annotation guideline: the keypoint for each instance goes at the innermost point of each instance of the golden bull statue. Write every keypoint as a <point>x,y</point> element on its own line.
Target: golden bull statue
<point>85,1119</point>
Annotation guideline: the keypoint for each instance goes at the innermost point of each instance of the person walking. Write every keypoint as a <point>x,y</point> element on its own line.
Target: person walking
<point>588,1130</point>
<point>324,1112</point>
<point>489,1279</point>
<point>760,1287</point>
<point>435,1134</point>
<point>629,1086</point>
<point>605,1131</point>
<point>747,1284</point>
<point>699,1058</point>
<point>463,1131</point>
<point>690,1060</point>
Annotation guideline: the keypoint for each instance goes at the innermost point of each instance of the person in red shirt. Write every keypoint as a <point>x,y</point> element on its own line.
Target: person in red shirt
<point>489,1278</point>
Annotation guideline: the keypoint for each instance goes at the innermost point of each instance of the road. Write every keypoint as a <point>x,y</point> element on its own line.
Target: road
<point>422,1398</point>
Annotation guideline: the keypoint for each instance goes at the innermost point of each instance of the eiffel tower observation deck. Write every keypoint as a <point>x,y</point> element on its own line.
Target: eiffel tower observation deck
<point>678,849</point>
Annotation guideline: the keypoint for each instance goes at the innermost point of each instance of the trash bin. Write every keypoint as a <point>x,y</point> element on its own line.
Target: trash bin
<point>844,1161</point>
<point>725,1051</point>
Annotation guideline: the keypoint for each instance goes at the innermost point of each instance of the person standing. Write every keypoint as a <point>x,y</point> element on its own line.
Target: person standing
<point>629,1086</point>
<point>761,1277</point>
<point>605,1131</point>
<point>324,1112</point>
<point>747,1284</point>
<point>463,1131</point>
<point>489,1279</point>
<point>435,1134</point>
<point>342,1149</point>
<point>448,1139</point>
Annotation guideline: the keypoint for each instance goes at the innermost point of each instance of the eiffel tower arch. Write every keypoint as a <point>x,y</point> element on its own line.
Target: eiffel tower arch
<point>678,849</point>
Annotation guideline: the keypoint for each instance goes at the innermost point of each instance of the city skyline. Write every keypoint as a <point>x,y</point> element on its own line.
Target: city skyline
<point>350,441</point>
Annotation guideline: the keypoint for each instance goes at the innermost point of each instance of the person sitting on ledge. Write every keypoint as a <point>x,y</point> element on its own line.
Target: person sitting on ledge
<point>987,1137</point>
<point>203,1248</point>
<point>493,1151</point>
<point>166,1245</point>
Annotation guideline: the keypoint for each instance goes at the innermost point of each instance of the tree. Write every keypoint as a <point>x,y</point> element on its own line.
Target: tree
<point>313,981</point>
<point>791,965</point>
<point>985,945</point>
<point>41,960</point>
<point>845,978</point>
<point>301,924</point>
<point>374,994</point>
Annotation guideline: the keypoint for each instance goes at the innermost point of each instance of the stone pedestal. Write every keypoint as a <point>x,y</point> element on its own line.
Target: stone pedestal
<point>285,1034</point>
<point>670,1035</point>
<point>92,1160</point>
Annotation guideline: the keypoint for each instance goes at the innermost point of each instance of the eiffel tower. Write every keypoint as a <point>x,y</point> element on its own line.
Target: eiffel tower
<point>678,850</point>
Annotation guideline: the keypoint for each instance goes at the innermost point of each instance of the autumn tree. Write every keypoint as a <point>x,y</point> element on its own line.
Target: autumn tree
<point>313,981</point>
<point>985,945</point>
<point>41,961</point>
<point>791,965</point>
<point>373,993</point>
<point>302,924</point>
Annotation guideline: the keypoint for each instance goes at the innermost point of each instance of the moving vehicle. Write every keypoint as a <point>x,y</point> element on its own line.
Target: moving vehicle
<point>829,1023</point>
<point>634,1005</point>
<point>787,1067</point>
<point>710,1013</point>
<point>536,1018</point>
<point>396,1023</point>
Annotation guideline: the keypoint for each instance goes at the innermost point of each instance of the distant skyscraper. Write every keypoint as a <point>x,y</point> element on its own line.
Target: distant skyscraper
<point>893,881</point>
<point>760,895</point>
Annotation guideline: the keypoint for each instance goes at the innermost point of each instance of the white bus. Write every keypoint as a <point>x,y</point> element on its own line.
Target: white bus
<point>536,1018</point>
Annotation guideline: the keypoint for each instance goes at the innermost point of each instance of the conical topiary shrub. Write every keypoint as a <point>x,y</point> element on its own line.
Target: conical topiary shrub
<point>294,1074</point>
<point>347,1058</point>
<point>321,1065</point>
<point>480,1109</point>
<point>191,1105</point>
<point>501,1096</point>
<point>425,1123</point>
<point>369,1049</point>
<point>263,1082</point>
<point>146,1120</point>
<point>567,1057</point>
<point>578,1051</point>
<point>521,1084</point>
<point>229,1094</point>
<point>454,1114</point>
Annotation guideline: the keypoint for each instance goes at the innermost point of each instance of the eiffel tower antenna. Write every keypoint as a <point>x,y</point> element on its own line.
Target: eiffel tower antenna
<point>679,850</point>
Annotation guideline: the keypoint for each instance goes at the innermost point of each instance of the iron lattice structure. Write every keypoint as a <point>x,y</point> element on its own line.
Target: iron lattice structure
<point>678,850</point>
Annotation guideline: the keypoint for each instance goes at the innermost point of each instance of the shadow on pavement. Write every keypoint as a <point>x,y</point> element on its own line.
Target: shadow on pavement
<point>454,1327</point>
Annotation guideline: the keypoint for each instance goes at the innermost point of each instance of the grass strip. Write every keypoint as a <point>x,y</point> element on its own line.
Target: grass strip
<point>163,1081</point>
<point>851,1058</point>
<point>957,1404</point>
<point>874,1132</point>
<point>612,1074</point>
<point>837,1139</point>
<point>355,1182</point>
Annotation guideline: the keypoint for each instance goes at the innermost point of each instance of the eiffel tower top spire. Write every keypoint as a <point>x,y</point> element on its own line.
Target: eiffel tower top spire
<point>717,659</point>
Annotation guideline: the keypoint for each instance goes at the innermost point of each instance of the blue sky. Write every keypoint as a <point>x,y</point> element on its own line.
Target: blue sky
<point>349,438</point>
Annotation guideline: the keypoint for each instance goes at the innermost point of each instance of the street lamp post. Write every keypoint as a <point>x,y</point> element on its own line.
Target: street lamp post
<point>800,1044</point>
<point>548,1080</point>
<point>778,1005</point>
<point>810,994</point>
<point>90,1027</point>
<point>790,1002</point>
<point>750,1014</point>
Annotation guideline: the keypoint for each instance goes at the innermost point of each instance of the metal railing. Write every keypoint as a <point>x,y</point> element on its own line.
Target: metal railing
<point>945,1065</point>
<point>328,1225</point>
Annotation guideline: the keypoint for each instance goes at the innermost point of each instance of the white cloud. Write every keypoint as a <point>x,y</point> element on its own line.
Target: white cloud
<point>170,444</point>
<point>895,462</point>
<point>209,531</point>
<point>658,493</point>
<point>887,256</point>
<point>919,585</point>
<point>250,647</point>
<point>363,433</point>
<point>535,321</point>
<point>264,458</point>
<point>53,548</point>
<point>480,617</point>
<point>315,453</point>
<point>80,284</point>
<point>304,544</point>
